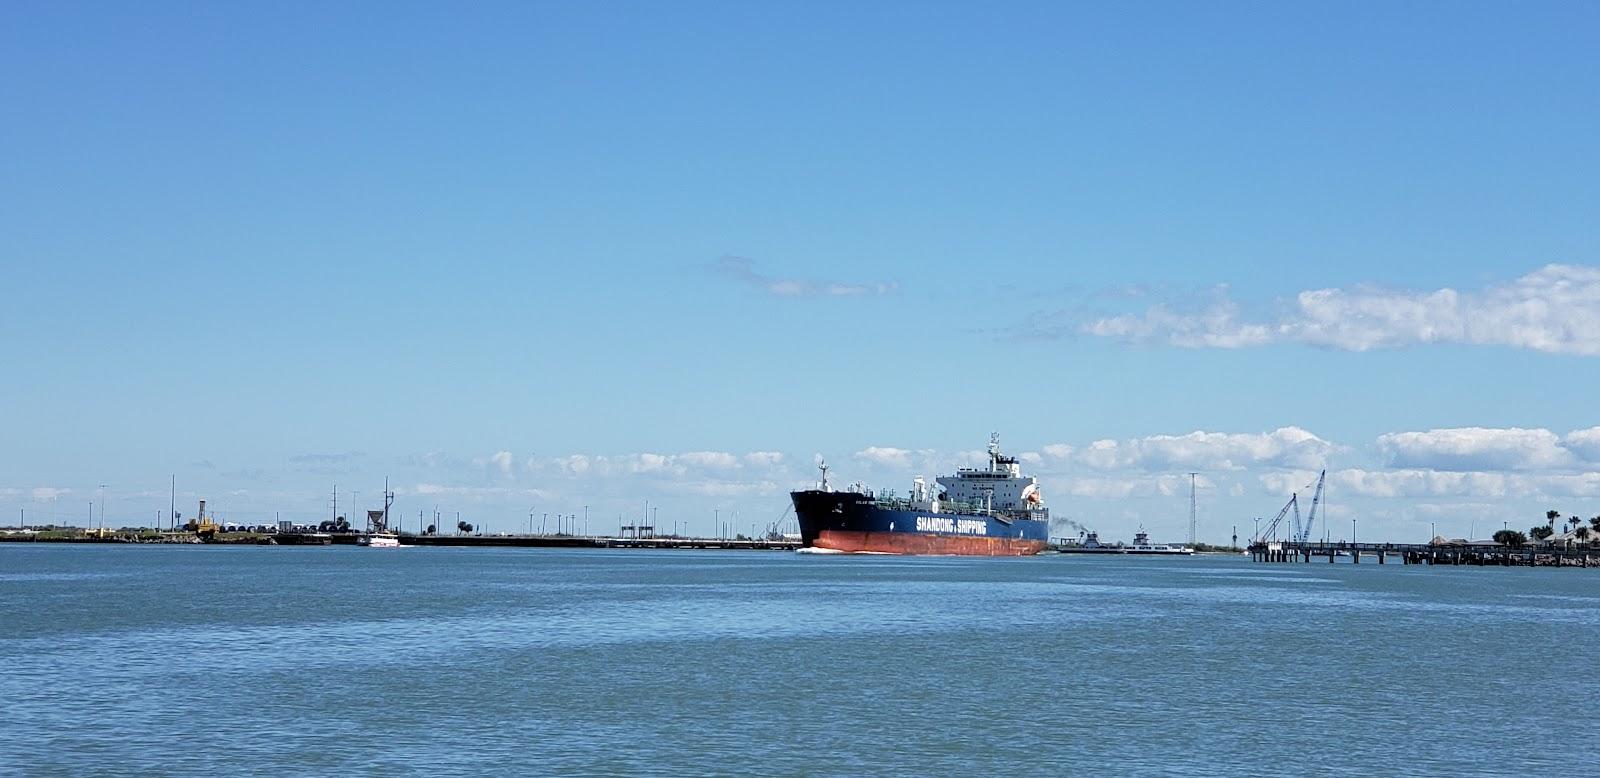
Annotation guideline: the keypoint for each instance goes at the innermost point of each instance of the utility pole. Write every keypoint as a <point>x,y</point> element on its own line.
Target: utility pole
<point>1192,507</point>
<point>172,501</point>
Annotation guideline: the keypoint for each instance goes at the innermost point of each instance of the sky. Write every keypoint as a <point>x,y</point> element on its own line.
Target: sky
<point>548,258</point>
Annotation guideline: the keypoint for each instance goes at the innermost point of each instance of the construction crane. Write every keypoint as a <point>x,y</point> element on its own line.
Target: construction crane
<point>1272,528</point>
<point>1305,532</point>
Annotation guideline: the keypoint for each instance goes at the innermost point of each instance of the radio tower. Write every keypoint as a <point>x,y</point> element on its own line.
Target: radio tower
<point>1191,507</point>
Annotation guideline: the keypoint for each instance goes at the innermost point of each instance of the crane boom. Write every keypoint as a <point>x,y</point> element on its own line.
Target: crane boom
<point>1272,528</point>
<point>1316,500</point>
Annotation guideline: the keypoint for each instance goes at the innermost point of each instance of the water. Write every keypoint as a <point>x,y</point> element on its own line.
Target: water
<point>315,660</point>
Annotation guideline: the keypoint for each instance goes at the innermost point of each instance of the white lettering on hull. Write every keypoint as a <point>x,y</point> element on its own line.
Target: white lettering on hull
<point>952,526</point>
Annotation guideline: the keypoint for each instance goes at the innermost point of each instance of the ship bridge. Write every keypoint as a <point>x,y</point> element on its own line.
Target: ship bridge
<point>1000,487</point>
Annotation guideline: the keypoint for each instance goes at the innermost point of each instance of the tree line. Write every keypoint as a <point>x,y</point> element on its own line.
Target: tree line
<point>1538,532</point>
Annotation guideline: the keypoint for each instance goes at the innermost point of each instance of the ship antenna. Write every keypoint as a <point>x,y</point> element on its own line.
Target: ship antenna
<point>994,450</point>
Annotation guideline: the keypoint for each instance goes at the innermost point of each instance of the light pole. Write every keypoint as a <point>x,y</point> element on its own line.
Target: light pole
<point>102,506</point>
<point>1352,532</point>
<point>1257,537</point>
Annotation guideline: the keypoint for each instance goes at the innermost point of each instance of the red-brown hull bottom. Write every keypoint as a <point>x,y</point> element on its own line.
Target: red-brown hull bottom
<point>914,543</point>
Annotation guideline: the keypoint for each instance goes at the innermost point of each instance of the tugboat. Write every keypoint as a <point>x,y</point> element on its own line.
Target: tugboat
<point>378,534</point>
<point>981,511</point>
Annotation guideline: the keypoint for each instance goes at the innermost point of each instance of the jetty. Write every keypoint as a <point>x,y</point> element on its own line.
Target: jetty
<point>1476,554</point>
<point>588,541</point>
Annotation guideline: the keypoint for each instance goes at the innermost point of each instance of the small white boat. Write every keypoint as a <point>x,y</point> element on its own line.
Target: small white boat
<point>380,540</point>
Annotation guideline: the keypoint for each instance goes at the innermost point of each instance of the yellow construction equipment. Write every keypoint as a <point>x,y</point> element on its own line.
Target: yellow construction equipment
<point>202,525</point>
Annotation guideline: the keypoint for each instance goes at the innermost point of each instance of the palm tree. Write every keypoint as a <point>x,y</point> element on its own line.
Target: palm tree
<point>1594,523</point>
<point>1551,516</point>
<point>1581,533</point>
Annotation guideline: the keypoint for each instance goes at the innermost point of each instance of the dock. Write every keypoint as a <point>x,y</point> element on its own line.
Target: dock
<point>1475,554</point>
<point>587,541</point>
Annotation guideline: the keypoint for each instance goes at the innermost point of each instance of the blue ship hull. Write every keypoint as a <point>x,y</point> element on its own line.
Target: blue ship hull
<point>852,522</point>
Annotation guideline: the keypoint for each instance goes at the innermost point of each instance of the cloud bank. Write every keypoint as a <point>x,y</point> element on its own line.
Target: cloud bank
<point>1555,309</point>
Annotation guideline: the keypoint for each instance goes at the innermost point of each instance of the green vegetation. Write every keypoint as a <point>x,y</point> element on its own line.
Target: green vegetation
<point>1511,537</point>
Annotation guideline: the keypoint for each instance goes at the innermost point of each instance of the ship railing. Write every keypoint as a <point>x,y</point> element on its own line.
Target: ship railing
<point>945,506</point>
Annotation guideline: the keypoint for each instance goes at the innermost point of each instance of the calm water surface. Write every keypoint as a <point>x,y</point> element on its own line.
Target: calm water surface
<point>317,660</point>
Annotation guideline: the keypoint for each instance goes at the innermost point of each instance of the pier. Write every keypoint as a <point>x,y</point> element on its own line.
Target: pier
<point>1475,554</point>
<point>585,541</point>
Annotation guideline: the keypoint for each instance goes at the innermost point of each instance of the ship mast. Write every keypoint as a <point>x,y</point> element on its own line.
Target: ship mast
<point>822,464</point>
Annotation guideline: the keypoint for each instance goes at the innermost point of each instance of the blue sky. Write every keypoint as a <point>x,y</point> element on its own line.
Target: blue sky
<point>557,255</point>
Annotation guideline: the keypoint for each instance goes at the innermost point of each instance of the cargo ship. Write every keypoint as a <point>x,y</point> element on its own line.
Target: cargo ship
<point>980,511</point>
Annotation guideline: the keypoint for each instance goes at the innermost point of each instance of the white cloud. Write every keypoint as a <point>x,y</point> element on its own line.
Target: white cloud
<point>1138,486</point>
<point>1411,483</point>
<point>713,460</point>
<point>1475,448</point>
<point>886,456</point>
<point>501,460</point>
<point>48,493</point>
<point>1200,450</point>
<point>1555,309</point>
<point>764,458</point>
<point>1058,450</point>
<point>1584,444</point>
<point>1216,327</point>
<point>743,270</point>
<point>656,465</point>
